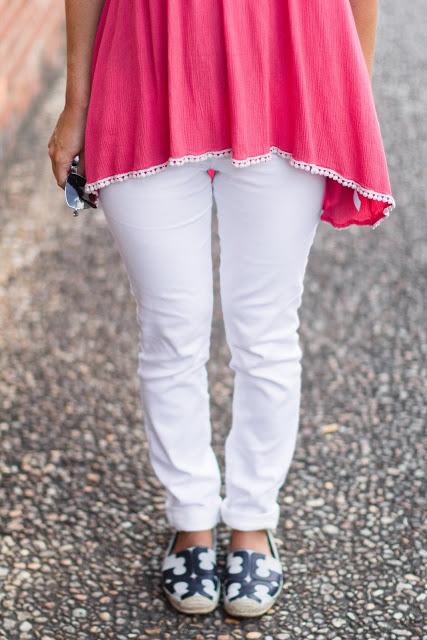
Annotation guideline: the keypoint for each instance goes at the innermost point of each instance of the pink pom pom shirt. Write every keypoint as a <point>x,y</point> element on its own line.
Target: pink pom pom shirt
<point>176,81</point>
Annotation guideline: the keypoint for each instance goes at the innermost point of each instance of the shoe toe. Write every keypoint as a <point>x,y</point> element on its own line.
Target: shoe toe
<point>248,607</point>
<point>193,604</point>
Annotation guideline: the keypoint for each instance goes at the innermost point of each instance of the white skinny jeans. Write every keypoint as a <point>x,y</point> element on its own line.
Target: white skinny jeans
<point>267,218</point>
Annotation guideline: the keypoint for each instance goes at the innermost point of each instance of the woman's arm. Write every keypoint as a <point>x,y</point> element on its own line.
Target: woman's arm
<point>67,139</point>
<point>82,19</point>
<point>365,14</point>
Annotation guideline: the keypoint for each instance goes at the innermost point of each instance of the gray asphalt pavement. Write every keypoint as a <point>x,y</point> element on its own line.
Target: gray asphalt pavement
<point>81,515</point>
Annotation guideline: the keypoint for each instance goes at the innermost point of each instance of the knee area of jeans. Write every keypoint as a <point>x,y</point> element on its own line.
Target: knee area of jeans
<point>182,337</point>
<point>282,368</point>
<point>276,360</point>
<point>250,349</point>
<point>182,324</point>
<point>256,325</point>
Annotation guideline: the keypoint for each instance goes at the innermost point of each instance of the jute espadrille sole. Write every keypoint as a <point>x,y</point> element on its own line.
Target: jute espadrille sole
<point>194,604</point>
<point>248,608</point>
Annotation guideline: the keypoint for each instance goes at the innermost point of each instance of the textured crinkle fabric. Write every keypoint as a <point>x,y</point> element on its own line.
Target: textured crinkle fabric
<point>175,81</point>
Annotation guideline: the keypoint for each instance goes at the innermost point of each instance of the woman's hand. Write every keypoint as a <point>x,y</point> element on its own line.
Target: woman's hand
<point>67,141</point>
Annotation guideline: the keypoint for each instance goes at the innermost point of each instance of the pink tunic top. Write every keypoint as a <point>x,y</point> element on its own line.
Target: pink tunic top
<point>176,81</point>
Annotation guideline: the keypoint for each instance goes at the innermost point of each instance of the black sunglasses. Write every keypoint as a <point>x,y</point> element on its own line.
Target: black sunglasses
<point>75,196</point>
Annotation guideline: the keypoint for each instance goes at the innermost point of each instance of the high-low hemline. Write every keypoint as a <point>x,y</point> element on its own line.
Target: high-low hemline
<point>94,187</point>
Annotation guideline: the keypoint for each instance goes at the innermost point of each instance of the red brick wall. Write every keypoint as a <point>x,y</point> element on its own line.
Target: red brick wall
<point>32,42</point>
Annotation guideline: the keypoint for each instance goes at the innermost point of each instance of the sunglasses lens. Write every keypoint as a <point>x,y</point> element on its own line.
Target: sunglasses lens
<point>72,197</point>
<point>75,195</point>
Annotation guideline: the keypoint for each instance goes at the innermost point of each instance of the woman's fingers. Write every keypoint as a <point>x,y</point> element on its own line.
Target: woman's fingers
<point>65,143</point>
<point>60,168</point>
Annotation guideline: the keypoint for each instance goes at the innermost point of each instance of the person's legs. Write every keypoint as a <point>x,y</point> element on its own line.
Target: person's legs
<point>268,214</point>
<point>162,227</point>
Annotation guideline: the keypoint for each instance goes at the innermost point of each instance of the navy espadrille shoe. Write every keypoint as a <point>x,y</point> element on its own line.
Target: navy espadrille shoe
<point>190,578</point>
<point>252,581</point>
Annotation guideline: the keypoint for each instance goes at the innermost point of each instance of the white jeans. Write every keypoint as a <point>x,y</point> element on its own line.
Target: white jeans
<point>267,218</point>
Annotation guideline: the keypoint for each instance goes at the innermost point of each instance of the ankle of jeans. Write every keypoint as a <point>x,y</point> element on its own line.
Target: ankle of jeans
<point>194,518</point>
<point>247,520</point>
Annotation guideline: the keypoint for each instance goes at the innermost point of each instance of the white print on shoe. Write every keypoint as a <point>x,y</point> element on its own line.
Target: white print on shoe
<point>207,559</point>
<point>209,587</point>
<point>176,564</point>
<point>235,564</point>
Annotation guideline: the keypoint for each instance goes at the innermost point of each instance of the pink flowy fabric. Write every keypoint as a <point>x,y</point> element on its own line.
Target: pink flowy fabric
<point>176,81</point>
